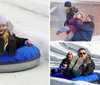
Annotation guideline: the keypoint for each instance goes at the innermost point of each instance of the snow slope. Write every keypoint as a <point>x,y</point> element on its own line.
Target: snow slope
<point>34,26</point>
<point>92,47</point>
<point>71,0</point>
<point>37,6</point>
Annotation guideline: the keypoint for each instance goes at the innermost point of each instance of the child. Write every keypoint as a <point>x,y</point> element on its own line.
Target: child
<point>71,28</point>
<point>64,63</point>
<point>9,42</point>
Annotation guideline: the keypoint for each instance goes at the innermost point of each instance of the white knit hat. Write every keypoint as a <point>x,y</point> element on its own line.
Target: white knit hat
<point>2,20</point>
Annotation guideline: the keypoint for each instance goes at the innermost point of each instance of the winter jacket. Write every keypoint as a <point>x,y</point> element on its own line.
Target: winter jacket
<point>88,66</point>
<point>19,42</point>
<point>70,15</point>
<point>64,61</point>
<point>84,32</point>
<point>72,27</point>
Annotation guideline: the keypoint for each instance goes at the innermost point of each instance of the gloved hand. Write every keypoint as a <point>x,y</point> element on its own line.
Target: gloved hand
<point>28,43</point>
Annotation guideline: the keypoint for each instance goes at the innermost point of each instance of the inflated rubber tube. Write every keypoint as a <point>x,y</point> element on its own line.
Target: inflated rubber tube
<point>25,58</point>
<point>90,78</point>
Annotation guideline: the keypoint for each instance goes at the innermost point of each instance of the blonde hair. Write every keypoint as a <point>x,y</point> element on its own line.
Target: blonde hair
<point>6,36</point>
<point>82,15</point>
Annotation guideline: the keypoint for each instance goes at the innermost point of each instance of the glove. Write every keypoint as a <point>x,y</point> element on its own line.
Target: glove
<point>28,43</point>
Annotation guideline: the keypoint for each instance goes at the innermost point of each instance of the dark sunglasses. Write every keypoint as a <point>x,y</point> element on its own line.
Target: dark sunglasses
<point>82,53</point>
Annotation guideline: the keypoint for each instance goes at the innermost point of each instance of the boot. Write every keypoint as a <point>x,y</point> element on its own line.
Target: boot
<point>78,63</point>
<point>73,62</point>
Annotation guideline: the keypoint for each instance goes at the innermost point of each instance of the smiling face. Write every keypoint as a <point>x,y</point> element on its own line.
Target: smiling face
<point>88,19</point>
<point>2,28</point>
<point>83,54</point>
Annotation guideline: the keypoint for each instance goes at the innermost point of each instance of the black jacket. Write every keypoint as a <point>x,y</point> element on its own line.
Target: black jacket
<point>64,61</point>
<point>70,15</point>
<point>88,66</point>
<point>19,42</point>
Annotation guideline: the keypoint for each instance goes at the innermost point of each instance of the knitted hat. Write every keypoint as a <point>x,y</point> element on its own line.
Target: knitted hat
<point>67,4</point>
<point>2,20</point>
<point>91,17</point>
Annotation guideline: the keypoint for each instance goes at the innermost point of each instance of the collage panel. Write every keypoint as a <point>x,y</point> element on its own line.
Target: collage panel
<point>74,20</point>
<point>24,42</point>
<point>75,63</point>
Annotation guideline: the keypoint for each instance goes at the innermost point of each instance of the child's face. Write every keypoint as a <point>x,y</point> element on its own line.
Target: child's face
<point>79,16</point>
<point>2,28</point>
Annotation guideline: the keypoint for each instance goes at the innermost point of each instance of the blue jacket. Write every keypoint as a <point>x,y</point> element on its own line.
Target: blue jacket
<point>84,32</point>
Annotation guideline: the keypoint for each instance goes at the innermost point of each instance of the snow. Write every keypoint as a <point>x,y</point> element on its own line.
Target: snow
<point>72,0</point>
<point>34,26</point>
<point>96,38</point>
<point>93,47</point>
<point>37,6</point>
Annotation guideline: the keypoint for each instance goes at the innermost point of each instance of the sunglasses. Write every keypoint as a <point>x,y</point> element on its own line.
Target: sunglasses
<point>82,53</point>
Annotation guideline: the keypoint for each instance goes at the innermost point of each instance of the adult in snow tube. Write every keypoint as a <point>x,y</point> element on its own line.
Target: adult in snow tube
<point>81,65</point>
<point>64,64</point>
<point>8,41</point>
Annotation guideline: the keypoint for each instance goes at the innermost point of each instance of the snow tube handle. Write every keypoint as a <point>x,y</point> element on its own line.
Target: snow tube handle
<point>30,45</point>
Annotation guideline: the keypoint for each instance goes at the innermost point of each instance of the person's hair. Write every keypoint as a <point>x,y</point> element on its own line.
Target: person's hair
<point>80,50</point>
<point>69,54</point>
<point>5,36</point>
<point>82,15</point>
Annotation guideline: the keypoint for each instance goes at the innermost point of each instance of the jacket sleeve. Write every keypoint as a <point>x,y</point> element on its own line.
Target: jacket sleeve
<point>72,20</point>
<point>82,27</point>
<point>61,64</point>
<point>20,41</point>
<point>89,69</point>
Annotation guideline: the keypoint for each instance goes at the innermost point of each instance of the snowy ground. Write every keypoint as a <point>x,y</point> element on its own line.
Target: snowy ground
<point>34,26</point>
<point>56,56</point>
<point>71,0</point>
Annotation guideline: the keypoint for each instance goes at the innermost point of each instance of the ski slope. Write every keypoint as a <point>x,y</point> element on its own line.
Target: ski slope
<point>33,25</point>
<point>71,0</point>
<point>92,48</point>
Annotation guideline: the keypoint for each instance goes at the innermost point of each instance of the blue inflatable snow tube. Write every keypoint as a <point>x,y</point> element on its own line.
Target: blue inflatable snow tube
<point>25,58</point>
<point>22,54</point>
<point>90,78</point>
